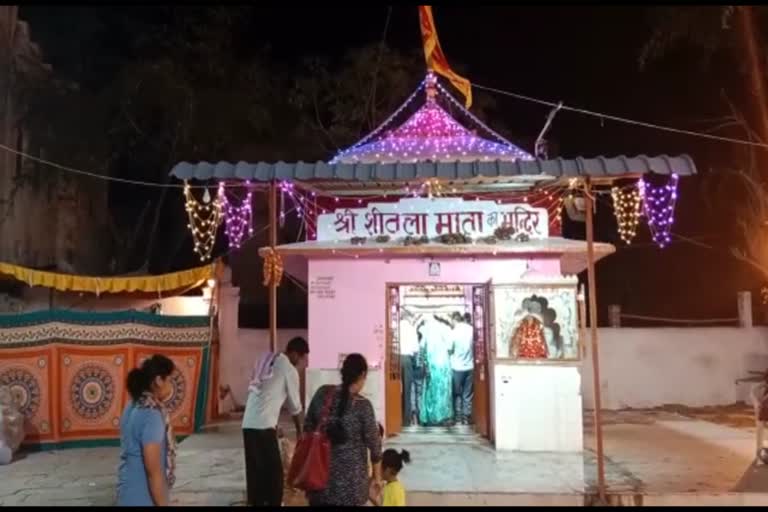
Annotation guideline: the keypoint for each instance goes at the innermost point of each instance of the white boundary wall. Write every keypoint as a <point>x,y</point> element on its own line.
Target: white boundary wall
<point>694,366</point>
<point>639,368</point>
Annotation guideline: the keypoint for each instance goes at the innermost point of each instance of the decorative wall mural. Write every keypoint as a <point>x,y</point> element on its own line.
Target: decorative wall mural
<point>92,392</point>
<point>85,397</point>
<point>25,389</point>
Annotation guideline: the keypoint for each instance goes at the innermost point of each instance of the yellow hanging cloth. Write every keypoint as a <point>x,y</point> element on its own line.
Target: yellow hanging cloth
<point>73,283</point>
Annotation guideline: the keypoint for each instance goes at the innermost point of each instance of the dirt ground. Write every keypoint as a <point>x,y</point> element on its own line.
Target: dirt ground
<point>739,415</point>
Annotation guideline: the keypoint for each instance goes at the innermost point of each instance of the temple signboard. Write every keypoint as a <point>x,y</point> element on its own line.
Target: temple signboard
<point>417,217</point>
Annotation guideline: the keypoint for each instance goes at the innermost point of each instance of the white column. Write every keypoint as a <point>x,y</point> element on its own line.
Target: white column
<point>229,305</point>
<point>744,301</point>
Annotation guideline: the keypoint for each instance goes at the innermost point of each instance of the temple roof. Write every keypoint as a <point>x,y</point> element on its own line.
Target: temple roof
<point>431,134</point>
<point>599,167</point>
<point>431,143</point>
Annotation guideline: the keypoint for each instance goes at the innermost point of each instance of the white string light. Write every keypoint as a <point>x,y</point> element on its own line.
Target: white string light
<point>383,125</point>
<point>204,220</point>
<point>626,208</point>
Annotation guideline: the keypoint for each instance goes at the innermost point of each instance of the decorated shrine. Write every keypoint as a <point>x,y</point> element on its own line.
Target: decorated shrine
<point>434,200</point>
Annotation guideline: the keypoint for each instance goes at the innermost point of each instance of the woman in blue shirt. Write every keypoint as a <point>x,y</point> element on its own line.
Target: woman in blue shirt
<point>147,444</point>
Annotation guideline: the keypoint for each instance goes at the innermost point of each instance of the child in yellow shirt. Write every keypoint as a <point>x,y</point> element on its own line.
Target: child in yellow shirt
<point>393,493</point>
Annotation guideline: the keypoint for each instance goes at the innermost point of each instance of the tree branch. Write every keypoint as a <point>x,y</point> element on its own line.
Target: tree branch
<point>319,121</point>
<point>739,255</point>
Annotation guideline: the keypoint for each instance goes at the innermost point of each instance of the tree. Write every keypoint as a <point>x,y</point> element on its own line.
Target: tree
<point>707,29</point>
<point>729,33</point>
<point>147,88</point>
<point>341,102</point>
<point>185,92</point>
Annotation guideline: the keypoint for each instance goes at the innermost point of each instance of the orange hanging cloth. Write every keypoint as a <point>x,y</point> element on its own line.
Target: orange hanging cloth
<point>436,60</point>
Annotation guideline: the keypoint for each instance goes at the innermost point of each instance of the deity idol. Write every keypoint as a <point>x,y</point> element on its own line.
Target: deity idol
<point>528,340</point>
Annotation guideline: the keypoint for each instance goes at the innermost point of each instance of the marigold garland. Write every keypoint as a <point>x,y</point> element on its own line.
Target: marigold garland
<point>273,268</point>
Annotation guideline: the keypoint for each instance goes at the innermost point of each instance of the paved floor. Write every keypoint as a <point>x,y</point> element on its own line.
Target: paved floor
<point>662,457</point>
<point>70,477</point>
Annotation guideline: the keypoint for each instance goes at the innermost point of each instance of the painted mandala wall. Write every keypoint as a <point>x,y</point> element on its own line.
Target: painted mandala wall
<point>67,370</point>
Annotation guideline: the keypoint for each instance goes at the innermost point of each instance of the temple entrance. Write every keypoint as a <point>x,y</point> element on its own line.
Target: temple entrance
<point>437,359</point>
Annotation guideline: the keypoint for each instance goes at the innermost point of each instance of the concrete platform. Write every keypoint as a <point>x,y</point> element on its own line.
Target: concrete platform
<point>651,460</point>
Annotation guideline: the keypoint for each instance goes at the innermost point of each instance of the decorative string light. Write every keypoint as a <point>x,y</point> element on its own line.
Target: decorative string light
<point>204,220</point>
<point>431,187</point>
<point>626,208</point>
<point>431,134</point>
<point>238,219</point>
<point>482,126</point>
<point>557,218</point>
<point>659,208</point>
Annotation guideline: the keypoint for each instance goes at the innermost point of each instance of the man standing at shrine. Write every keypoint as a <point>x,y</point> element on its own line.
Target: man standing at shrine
<point>409,348</point>
<point>463,365</point>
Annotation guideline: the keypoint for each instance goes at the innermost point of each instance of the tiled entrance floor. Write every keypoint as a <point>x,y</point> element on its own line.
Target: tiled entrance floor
<point>468,464</point>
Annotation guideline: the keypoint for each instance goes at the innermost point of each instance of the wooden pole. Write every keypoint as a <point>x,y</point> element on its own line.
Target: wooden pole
<point>593,334</point>
<point>272,285</point>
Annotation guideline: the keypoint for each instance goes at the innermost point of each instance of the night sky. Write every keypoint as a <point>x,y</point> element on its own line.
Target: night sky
<point>584,56</point>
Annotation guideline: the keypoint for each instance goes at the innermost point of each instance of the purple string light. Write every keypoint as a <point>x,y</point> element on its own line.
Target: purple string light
<point>659,208</point>
<point>430,134</point>
<point>238,219</point>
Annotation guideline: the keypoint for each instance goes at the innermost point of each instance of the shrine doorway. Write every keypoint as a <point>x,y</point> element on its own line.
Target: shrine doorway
<point>437,359</point>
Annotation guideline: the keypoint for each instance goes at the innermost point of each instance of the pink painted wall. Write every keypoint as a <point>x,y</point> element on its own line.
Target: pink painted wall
<point>350,315</point>
<point>239,348</point>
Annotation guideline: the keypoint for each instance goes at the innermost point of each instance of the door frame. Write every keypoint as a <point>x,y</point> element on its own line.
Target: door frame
<point>393,390</point>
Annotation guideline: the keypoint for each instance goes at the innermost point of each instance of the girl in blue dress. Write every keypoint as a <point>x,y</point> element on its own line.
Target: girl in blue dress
<point>147,444</point>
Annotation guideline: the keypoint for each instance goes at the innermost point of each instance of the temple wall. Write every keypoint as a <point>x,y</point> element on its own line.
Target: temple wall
<point>638,367</point>
<point>347,305</point>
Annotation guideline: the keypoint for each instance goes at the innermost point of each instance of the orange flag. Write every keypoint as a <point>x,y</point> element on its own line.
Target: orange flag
<point>436,60</point>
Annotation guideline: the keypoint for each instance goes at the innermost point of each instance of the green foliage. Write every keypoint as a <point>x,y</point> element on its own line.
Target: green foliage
<point>706,29</point>
<point>140,89</point>
<point>340,102</point>
<point>741,185</point>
